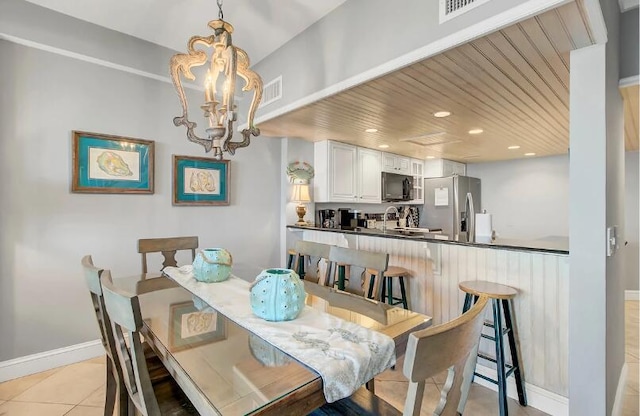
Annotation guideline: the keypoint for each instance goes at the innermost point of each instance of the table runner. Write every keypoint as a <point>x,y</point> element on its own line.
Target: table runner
<point>345,354</point>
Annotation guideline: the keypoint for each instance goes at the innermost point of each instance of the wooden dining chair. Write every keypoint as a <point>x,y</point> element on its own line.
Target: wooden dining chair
<point>312,261</point>
<point>429,352</point>
<point>115,390</point>
<point>168,247</point>
<point>348,268</point>
<point>150,397</point>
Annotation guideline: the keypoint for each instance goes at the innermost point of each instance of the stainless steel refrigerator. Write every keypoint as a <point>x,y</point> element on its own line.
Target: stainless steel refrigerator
<point>451,203</point>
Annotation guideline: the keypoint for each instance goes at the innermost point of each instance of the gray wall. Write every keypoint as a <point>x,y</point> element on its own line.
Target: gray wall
<point>631,209</point>
<point>596,305</point>
<point>37,24</point>
<point>358,36</point>
<point>46,229</point>
<point>629,43</point>
<point>587,224</point>
<point>615,264</point>
<point>528,198</point>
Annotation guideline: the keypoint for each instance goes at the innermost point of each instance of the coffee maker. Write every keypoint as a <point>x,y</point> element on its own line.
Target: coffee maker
<point>327,218</point>
<point>350,219</point>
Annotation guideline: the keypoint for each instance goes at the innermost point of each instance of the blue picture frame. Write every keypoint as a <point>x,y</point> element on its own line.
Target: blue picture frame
<point>104,163</point>
<point>200,181</point>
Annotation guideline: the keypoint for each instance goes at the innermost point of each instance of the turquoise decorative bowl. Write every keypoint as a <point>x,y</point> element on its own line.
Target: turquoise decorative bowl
<point>277,295</point>
<point>212,265</point>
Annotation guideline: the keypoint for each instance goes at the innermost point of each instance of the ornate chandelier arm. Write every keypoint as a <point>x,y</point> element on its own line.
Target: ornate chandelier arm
<point>252,82</point>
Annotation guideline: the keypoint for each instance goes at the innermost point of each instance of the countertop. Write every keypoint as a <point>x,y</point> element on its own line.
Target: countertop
<point>552,244</point>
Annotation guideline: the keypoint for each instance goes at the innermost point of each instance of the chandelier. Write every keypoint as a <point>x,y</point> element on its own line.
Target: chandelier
<point>222,63</point>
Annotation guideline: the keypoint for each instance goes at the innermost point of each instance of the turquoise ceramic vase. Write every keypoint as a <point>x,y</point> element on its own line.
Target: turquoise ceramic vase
<point>277,295</point>
<point>212,265</point>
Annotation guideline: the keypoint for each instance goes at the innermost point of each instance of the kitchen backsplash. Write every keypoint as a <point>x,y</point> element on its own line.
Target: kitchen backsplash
<point>376,211</point>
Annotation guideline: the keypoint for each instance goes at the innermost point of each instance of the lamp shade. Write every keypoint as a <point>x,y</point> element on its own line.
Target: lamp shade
<point>300,193</point>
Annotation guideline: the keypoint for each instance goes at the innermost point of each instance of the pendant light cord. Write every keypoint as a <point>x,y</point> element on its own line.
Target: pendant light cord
<point>220,14</point>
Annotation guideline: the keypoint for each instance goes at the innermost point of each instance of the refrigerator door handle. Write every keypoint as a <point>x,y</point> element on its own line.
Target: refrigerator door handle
<point>471,217</point>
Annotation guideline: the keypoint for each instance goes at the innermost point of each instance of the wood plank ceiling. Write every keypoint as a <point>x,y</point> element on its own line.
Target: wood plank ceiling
<point>513,84</point>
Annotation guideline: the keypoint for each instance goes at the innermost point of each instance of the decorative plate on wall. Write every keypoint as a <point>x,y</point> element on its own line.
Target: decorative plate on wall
<point>300,172</point>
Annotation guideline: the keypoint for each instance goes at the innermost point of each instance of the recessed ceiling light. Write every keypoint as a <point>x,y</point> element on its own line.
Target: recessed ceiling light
<point>513,147</point>
<point>529,154</point>
<point>475,131</point>
<point>441,114</point>
<point>371,130</point>
<point>431,157</point>
<point>384,146</point>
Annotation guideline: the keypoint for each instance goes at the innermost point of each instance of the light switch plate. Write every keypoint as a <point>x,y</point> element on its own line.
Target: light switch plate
<point>612,240</point>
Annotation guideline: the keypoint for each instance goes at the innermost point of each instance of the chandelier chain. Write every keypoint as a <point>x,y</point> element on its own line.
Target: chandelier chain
<point>220,15</point>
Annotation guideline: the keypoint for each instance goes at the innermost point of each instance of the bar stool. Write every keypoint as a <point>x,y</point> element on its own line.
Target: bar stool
<point>387,282</point>
<point>291,257</point>
<point>501,296</point>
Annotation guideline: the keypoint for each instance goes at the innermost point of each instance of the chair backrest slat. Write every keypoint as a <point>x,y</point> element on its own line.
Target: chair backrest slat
<point>167,247</point>
<point>92,276</point>
<point>355,263</point>
<point>312,261</point>
<point>433,350</point>
<point>124,310</point>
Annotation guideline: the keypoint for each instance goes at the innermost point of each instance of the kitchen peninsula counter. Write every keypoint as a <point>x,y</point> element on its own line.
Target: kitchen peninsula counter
<point>538,269</point>
<point>551,245</point>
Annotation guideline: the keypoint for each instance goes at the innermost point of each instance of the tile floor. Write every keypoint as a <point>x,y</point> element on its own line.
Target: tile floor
<point>78,389</point>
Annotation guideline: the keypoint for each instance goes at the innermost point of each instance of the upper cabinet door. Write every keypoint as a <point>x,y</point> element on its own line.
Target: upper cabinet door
<point>369,176</point>
<point>396,164</point>
<point>342,172</point>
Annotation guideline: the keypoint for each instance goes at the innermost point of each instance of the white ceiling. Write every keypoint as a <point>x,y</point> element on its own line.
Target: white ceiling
<point>261,26</point>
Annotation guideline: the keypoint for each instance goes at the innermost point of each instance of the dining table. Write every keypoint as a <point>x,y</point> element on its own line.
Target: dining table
<point>226,369</point>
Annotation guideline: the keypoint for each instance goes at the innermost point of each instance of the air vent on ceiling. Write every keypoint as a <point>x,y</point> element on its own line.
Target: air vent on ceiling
<point>431,139</point>
<point>271,92</point>
<point>453,8</point>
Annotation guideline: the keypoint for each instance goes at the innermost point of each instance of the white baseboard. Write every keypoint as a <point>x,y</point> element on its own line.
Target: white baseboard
<point>549,402</point>
<point>36,363</point>
<point>632,295</point>
<point>622,384</point>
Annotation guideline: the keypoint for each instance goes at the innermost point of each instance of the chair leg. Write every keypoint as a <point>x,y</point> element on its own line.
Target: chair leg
<point>502,382</point>
<point>112,389</point>
<point>515,356</point>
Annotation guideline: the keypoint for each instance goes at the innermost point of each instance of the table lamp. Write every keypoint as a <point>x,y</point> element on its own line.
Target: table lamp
<point>301,195</point>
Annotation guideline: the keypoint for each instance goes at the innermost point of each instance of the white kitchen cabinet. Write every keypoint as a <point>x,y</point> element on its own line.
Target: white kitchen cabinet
<point>438,168</point>
<point>346,173</point>
<point>417,171</point>
<point>396,164</point>
<point>368,175</point>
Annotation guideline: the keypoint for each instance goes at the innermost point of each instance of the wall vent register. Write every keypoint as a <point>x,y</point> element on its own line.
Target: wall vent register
<point>271,92</point>
<point>453,8</point>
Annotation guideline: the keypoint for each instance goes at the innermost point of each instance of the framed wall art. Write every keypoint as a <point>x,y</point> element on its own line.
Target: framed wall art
<point>189,327</point>
<point>111,164</point>
<point>200,181</point>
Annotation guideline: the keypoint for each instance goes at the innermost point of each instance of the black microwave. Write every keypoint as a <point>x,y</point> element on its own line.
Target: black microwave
<point>396,187</point>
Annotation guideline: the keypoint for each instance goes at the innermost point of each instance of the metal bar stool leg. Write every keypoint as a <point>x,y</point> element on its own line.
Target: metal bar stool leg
<point>403,293</point>
<point>502,382</point>
<point>515,356</point>
<point>467,302</point>
<point>290,258</point>
<point>389,290</point>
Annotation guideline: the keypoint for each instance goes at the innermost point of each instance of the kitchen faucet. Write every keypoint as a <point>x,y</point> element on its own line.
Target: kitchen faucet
<point>386,211</point>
